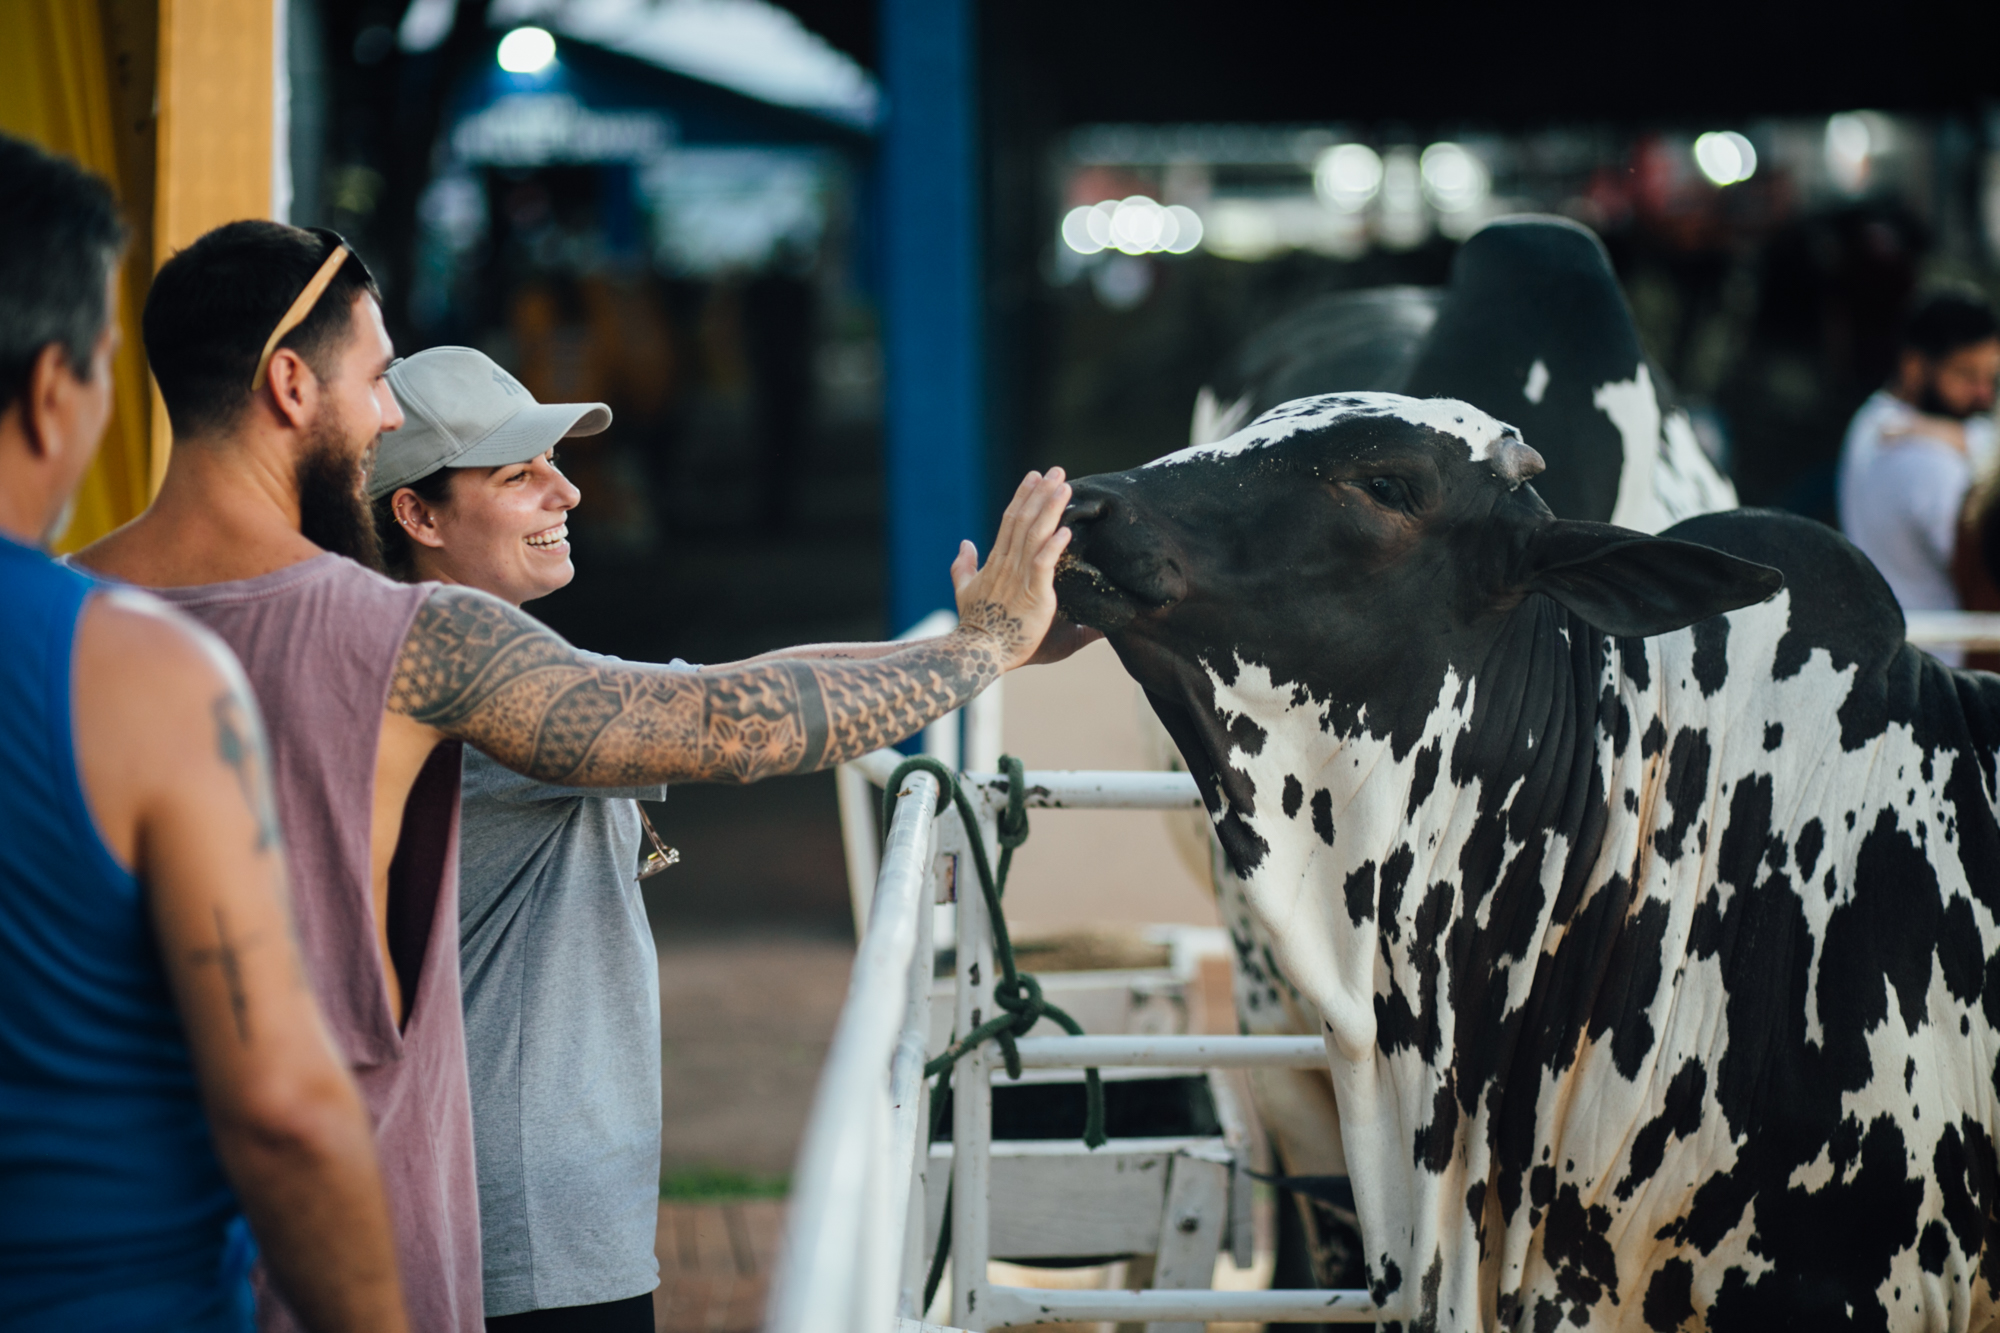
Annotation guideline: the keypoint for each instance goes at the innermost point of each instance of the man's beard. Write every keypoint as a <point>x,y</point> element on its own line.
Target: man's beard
<point>1930,404</point>
<point>333,510</point>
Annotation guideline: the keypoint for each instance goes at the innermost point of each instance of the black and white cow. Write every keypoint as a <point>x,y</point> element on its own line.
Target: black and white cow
<point>1651,907</point>
<point>1534,328</point>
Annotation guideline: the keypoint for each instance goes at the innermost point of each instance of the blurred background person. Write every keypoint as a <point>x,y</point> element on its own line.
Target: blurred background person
<point>160,1059</point>
<point>1913,450</point>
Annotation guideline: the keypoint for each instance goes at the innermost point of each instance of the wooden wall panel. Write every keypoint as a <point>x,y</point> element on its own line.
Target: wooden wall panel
<point>216,64</point>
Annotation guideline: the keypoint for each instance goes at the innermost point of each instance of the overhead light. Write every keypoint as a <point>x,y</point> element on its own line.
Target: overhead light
<point>1725,157</point>
<point>1348,175</point>
<point>1454,179</point>
<point>527,51</point>
<point>1183,230</point>
<point>1853,140</point>
<point>1136,225</point>
<point>1076,231</point>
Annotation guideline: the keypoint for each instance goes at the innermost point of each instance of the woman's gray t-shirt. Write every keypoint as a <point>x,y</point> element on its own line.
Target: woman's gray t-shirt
<point>562,1039</point>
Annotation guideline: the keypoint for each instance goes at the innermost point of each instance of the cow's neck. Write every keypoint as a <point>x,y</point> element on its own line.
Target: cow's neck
<point>1349,839</point>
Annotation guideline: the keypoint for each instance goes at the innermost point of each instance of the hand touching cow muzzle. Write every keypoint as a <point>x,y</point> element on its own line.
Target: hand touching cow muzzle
<point>1013,595</point>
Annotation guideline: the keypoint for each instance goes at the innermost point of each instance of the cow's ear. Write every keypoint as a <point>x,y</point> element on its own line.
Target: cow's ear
<point>1629,584</point>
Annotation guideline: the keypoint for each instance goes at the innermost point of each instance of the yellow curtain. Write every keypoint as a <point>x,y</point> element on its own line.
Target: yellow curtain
<point>57,89</point>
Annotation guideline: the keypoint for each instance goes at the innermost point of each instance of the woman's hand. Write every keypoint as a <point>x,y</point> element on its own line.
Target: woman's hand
<point>1013,596</point>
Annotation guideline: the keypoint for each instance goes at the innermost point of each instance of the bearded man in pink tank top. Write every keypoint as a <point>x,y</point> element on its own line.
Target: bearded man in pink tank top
<point>268,346</point>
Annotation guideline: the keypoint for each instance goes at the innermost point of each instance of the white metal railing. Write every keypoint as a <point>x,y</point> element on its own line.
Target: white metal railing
<point>853,1257</point>
<point>1978,631</point>
<point>847,1238</point>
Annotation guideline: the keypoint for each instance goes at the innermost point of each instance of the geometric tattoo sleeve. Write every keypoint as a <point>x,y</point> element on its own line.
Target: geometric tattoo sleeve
<point>488,674</point>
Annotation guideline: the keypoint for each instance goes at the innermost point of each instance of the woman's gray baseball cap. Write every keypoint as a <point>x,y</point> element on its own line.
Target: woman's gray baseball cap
<point>461,410</point>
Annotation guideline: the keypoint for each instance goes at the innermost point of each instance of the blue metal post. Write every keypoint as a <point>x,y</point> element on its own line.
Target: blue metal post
<point>932,306</point>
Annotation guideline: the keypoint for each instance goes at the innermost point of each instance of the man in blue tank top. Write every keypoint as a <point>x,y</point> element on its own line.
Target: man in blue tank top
<point>163,1067</point>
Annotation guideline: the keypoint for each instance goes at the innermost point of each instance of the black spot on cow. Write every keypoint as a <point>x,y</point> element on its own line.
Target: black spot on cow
<point>1812,840</point>
<point>1909,1073</point>
<point>1434,1141</point>
<point>1323,815</point>
<point>1427,1297</point>
<point>1541,1186</point>
<point>1615,719</point>
<point>1294,796</point>
<point>1360,893</point>
<point>1831,884</point>
<point>1388,1283</point>
<point>1711,654</point>
<point>1246,735</point>
<point>1961,958</point>
<point>1423,776</point>
<point>1475,1205</point>
<point>1933,1248</point>
<point>1829,1249</point>
<point>1399,1025</point>
<point>1685,789</point>
<point>1679,1117</point>
<point>1774,735</point>
<point>1631,981</point>
<point>1575,1244</point>
<point>1969,1180</point>
<point>1884,932</point>
<point>1705,931</point>
<point>1655,739</point>
<point>1669,1296</point>
<point>1632,662</point>
<point>1631,801</point>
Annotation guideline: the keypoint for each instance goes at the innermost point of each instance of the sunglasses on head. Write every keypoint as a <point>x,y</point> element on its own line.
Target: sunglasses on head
<point>302,305</point>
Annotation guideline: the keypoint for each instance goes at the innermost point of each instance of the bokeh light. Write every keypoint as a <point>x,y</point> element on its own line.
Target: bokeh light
<point>1454,179</point>
<point>526,51</point>
<point>1348,175</point>
<point>1725,157</point>
<point>1135,225</point>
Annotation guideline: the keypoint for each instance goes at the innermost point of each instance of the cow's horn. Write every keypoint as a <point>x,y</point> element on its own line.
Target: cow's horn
<point>1515,461</point>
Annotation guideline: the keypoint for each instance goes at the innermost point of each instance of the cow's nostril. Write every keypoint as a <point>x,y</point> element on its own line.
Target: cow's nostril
<point>1088,509</point>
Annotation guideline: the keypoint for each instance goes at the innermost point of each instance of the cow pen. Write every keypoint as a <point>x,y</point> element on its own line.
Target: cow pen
<point>854,1257</point>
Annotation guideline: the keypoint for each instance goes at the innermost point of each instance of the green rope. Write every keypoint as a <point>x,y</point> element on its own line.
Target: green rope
<point>1017,994</point>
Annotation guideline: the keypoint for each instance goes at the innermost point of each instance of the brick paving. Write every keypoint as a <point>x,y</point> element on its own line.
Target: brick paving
<point>715,1265</point>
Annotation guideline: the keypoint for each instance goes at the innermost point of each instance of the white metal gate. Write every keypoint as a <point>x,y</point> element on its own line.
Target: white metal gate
<point>853,1250</point>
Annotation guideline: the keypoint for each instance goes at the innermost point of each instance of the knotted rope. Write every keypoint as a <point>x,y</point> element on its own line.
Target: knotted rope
<point>1017,995</point>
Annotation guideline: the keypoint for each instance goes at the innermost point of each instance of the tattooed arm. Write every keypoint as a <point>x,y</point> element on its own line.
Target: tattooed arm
<point>484,672</point>
<point>172,755</point>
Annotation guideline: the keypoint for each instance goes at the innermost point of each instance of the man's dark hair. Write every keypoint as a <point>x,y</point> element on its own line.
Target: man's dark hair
<point>60,239</point>
<point>399,553</point>
<point>1948,319</point>
<point>213,304</point>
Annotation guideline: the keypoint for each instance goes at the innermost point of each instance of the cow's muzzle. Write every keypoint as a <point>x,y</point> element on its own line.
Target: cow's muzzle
<point>1117,566</point>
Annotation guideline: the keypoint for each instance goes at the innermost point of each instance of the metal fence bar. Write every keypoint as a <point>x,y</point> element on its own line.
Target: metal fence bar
<point>972,1100</point>
<point>1978,630</point>
<point>837,1271</point>
<point>1216,1052</point>
<point>1104,789</point>
<point>859,840</point>
<point>909,1109</point>
<point>1030,1305</point>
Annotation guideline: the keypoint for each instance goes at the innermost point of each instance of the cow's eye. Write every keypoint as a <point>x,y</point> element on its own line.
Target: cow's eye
<point>1390,491</point>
